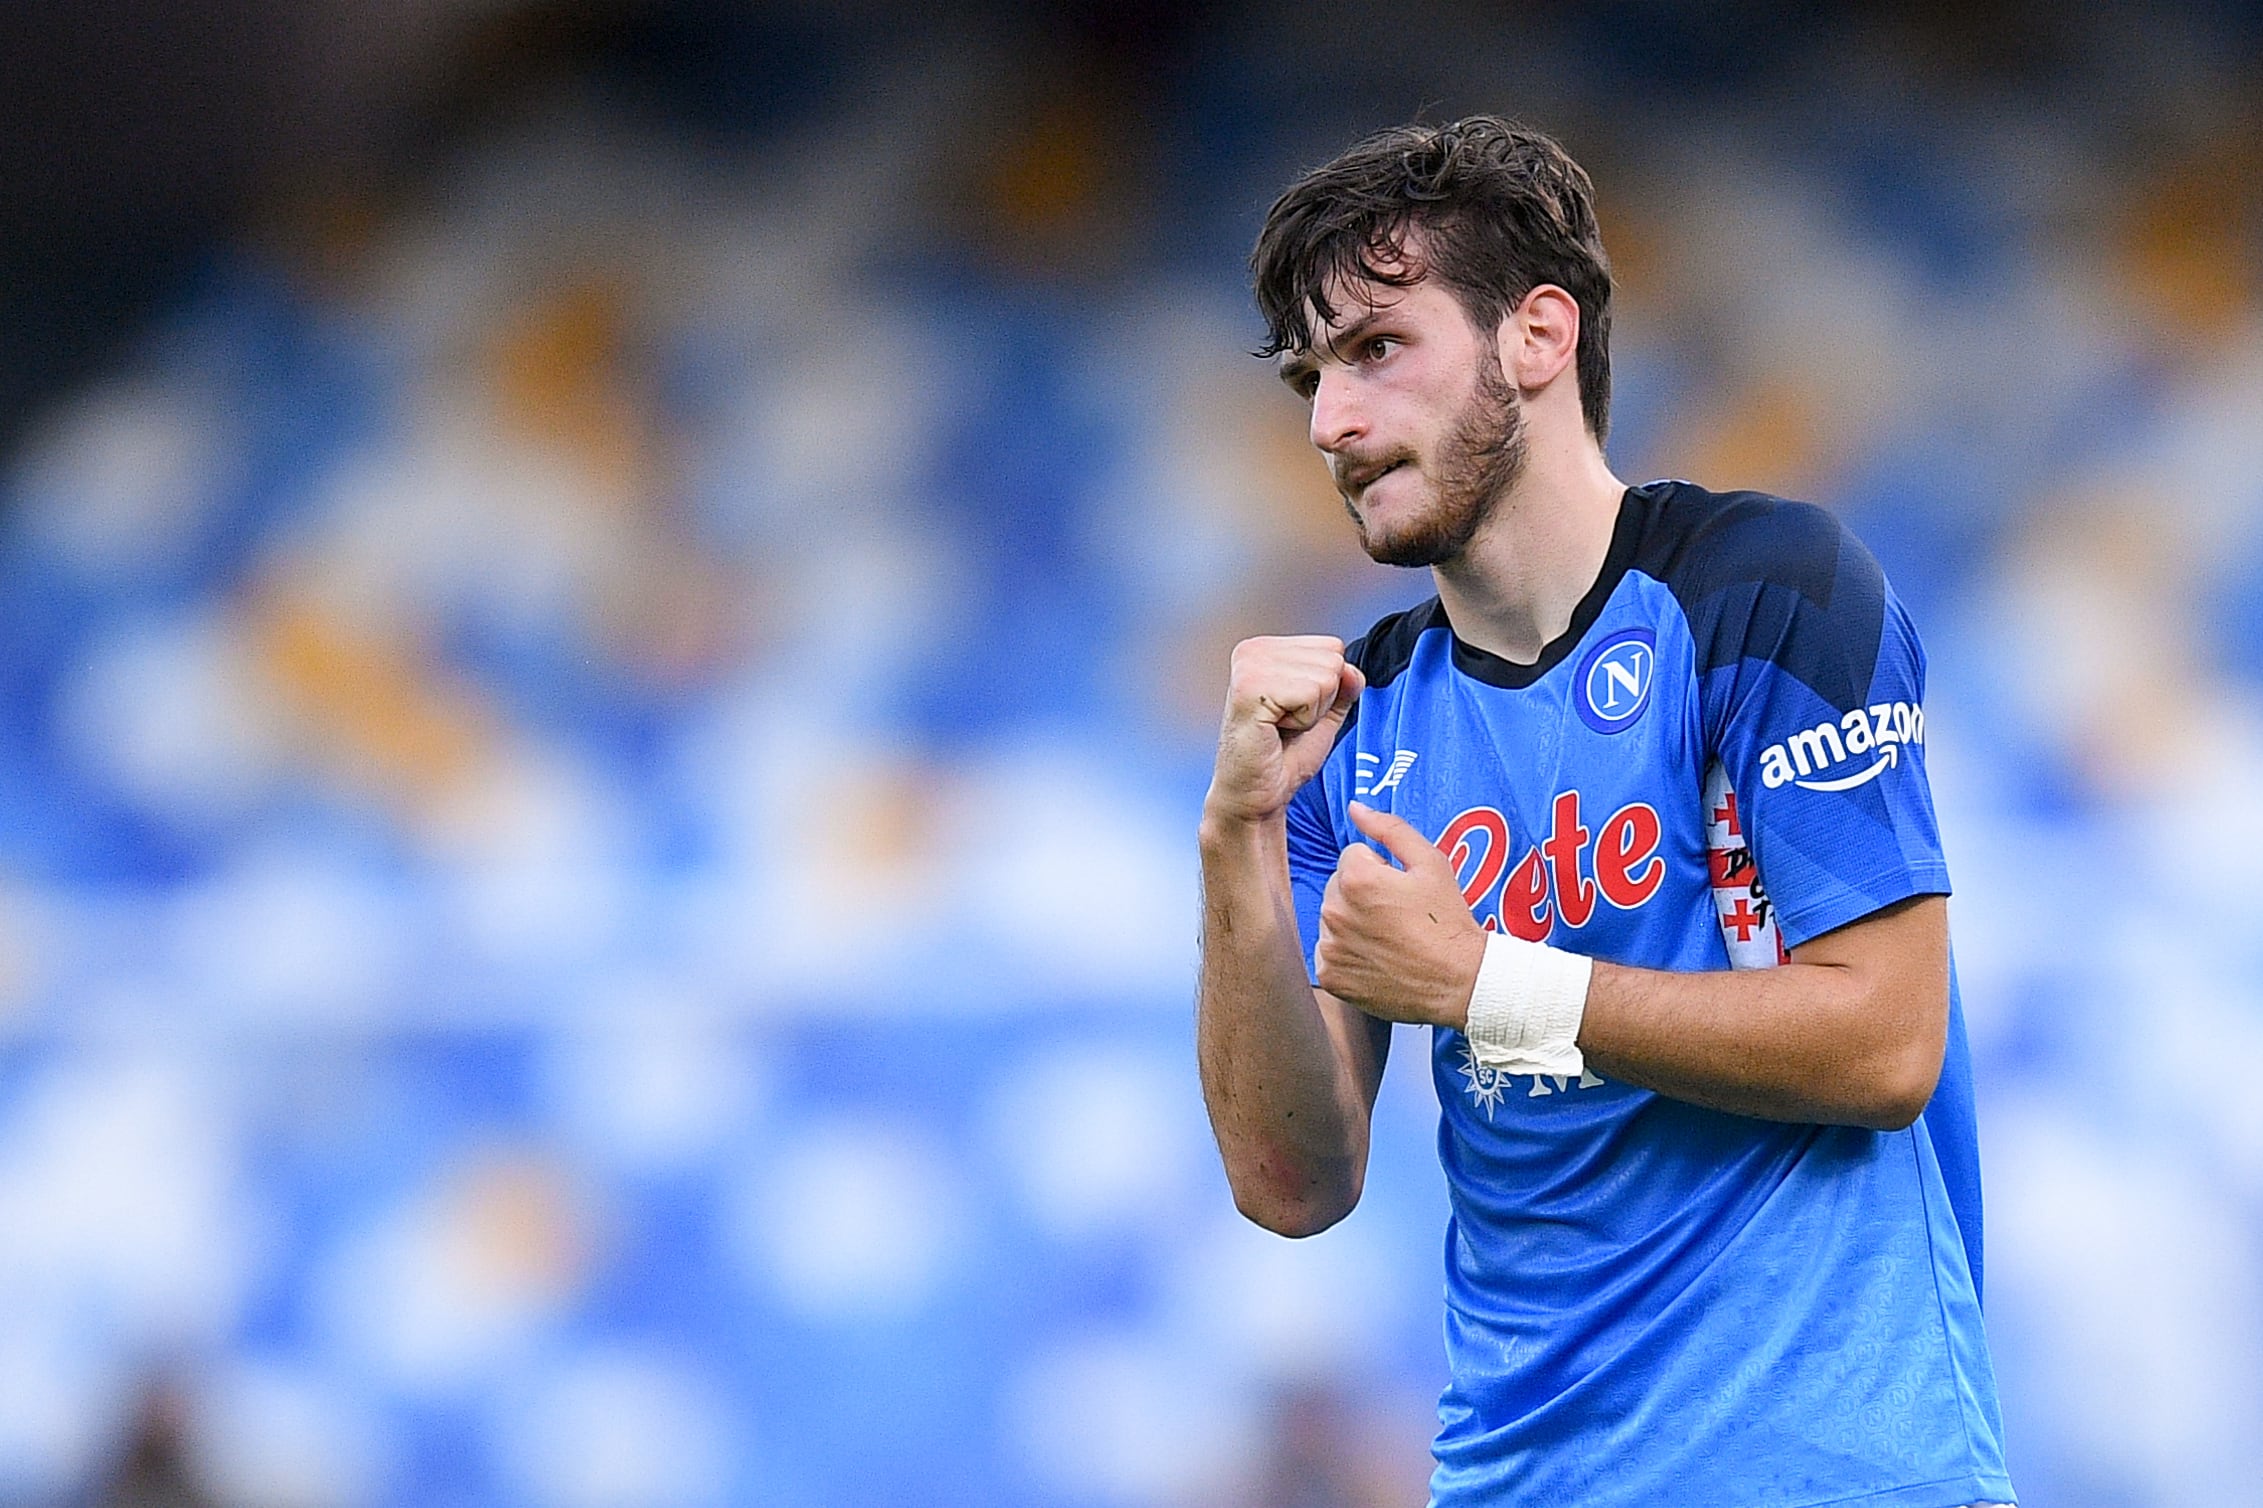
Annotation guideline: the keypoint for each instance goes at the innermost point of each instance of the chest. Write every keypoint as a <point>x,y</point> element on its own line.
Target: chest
<point>1568,801</point>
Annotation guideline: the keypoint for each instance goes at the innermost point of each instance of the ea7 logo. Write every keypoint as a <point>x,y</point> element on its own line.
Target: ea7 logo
<point>1878,732</point>
<point>1371,778</point>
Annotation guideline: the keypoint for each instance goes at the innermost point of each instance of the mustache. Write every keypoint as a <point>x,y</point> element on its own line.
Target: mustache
<point>1352,470</point>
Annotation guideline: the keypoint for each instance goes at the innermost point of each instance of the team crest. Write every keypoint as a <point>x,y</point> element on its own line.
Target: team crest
<point>1612,685</point>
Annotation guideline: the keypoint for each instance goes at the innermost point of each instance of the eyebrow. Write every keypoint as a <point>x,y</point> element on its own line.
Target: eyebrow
<point>1295,365</point>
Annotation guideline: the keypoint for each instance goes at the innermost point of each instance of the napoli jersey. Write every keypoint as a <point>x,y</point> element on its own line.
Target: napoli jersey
<point>1648,1302</point>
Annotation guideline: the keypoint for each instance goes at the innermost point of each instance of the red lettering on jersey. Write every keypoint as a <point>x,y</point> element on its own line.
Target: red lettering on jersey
<point>1575,893</point>
<point>1627,865</point>
<point>1457,842</point>
<point>1524,900</point>
<point>1548,881</point>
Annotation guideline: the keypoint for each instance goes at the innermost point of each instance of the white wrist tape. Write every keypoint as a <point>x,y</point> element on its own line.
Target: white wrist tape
<point>1524,1014</point>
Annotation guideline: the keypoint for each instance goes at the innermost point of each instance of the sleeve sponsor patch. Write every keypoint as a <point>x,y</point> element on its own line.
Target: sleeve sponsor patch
<point>1748,919</point>
<point>1840,755</point>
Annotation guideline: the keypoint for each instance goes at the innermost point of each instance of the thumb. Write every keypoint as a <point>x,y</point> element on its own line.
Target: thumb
<point>1350,682</point>
<point>1398,836</point>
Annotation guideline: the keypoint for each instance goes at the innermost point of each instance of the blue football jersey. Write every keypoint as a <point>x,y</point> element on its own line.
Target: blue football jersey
<point>1649,1302</point>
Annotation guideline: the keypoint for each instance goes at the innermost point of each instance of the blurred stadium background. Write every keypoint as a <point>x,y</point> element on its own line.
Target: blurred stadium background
<point>610,618</point>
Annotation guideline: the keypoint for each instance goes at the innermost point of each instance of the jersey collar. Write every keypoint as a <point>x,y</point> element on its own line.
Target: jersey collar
<point>1493,670</point>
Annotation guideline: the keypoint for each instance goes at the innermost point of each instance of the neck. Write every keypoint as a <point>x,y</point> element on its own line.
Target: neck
<point>1513,591</point>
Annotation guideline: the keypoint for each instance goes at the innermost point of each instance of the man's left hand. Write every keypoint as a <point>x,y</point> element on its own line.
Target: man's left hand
<point>1398,941</point>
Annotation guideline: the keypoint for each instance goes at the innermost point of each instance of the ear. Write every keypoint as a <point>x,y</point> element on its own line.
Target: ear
<point>1540,337</point>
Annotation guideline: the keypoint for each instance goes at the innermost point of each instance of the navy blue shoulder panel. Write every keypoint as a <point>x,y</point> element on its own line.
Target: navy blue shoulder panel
<point>1387,648</point>
<point>1760,577</point>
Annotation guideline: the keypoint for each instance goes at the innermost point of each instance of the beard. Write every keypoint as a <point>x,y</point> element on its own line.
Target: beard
<point>1478,461</point>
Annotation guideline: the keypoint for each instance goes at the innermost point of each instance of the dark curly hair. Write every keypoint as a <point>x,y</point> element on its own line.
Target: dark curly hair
<point>1501,208</point>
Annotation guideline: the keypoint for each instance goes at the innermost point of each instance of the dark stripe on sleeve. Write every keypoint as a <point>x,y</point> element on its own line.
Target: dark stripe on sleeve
<point>1763,578</point>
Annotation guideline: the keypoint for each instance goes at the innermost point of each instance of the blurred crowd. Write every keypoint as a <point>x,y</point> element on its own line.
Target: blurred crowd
<point>599,745</point>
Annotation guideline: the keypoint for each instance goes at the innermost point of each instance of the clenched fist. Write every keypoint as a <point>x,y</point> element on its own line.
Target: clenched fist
<point>1398,941</point>
<point>1285,700</point>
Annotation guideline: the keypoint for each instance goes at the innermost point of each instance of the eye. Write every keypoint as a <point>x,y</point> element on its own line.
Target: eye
<point>1377,347</point>
<point>1308,385</point>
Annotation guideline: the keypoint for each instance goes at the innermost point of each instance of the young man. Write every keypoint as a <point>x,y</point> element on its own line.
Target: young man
<point>1716,1218</point>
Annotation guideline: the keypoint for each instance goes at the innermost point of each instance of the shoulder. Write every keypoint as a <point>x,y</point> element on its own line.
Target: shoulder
<point>1387,649</point>
<point>1763,579</point>
<point>1704,544</point>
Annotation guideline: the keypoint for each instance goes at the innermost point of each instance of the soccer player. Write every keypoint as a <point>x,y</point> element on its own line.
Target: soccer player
<point>1633,815</point>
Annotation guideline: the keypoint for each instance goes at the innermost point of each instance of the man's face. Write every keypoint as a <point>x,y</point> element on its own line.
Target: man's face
<point>1420,426</point>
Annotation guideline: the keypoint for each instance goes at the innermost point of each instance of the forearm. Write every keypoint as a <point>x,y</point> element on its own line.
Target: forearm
<point>1841,1037</point>
<point>1289,1084</point>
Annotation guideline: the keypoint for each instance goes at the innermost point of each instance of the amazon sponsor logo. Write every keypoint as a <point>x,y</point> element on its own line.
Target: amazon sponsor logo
<point>1868,741</point>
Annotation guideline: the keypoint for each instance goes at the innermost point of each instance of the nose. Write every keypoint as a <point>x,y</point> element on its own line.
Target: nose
<point>1336,418</point>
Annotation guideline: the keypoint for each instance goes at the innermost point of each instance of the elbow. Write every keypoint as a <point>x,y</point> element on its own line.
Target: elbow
<point>1896,1114</point>
<point>1293,1218</point>
<point>1305,1208</point>
<point>1902,1087</point>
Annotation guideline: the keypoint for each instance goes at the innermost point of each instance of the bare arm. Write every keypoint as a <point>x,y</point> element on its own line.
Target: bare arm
<point>1849,1032</point>
<point>1289,1073</point>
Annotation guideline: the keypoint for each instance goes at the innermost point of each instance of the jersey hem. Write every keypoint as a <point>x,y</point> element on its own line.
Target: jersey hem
<point>1807,923</point>
<point>1943,1492</point>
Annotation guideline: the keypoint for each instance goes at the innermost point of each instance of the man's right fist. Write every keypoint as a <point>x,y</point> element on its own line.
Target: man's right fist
<point>1285,700</point>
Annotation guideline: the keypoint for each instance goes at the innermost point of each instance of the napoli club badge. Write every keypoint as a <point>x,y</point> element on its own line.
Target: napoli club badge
<point>1612,684</point>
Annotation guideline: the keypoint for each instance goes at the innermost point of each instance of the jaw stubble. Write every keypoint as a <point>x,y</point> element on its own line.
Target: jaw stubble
<point>1477,463</point>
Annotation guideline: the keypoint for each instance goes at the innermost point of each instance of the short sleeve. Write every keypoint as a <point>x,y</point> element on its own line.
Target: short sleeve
<point>1814,702</point>
<point>1313,851</point>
